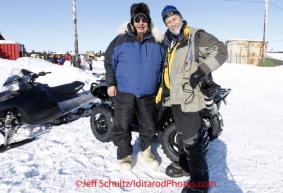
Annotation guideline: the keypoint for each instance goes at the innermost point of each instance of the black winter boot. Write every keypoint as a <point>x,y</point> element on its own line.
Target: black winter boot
<point>175,171</point>
<point>180,169</point>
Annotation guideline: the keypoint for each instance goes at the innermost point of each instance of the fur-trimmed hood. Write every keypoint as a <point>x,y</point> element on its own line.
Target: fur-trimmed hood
<point>154,31</point>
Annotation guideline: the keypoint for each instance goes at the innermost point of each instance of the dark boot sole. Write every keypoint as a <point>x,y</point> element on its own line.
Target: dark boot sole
<point>178,175</point>
<point>176,171</point>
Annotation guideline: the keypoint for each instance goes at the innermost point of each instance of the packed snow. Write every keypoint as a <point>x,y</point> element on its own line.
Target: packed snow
<point>278,56</point>
<point>67,158</point>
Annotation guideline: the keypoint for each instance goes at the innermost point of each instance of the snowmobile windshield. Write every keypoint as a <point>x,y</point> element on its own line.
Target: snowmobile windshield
<point>14,80</point>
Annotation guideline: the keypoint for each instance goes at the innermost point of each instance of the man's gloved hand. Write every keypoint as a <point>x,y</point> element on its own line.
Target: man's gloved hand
<point>196,77</point>
<point>210,89</point>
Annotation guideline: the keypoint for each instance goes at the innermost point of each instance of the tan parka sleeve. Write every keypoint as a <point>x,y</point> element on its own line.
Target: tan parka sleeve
<point>213,52</point>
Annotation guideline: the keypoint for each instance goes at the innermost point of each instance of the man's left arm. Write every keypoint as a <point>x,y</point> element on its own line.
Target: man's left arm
<point>213,50</point>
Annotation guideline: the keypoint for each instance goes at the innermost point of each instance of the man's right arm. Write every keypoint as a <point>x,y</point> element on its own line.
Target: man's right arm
<point>110,64</point>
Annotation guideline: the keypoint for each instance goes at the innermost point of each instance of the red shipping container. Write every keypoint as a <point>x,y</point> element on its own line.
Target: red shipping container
<point>11,50</point>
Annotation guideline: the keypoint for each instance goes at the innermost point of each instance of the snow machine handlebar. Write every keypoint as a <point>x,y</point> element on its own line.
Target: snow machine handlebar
<point>43,73</point>
<point>34,75</point>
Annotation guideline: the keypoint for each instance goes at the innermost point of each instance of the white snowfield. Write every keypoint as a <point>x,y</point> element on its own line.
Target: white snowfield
<point>247,157</point>
<point>278,56</point>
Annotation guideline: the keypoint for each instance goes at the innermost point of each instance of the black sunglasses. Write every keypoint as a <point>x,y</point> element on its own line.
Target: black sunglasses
<point>144,20</point>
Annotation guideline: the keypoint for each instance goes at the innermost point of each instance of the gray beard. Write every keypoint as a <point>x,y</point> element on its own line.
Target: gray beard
<point>176,32</point>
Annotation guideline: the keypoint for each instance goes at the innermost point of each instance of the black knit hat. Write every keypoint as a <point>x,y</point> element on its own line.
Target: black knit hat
<point>140,9</point>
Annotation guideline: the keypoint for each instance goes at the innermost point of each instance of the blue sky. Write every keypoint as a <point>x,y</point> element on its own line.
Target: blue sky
<point>44,25</point>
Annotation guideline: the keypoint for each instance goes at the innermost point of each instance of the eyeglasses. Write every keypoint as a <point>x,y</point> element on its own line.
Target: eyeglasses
<point>144,20</point>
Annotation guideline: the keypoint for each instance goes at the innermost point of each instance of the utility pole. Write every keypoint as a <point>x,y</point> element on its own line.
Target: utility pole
<point>264,30</point>
<point>76,63</point>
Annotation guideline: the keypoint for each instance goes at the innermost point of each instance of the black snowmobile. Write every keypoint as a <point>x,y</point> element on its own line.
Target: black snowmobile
<point>101,120</point>
<point>26,102</point>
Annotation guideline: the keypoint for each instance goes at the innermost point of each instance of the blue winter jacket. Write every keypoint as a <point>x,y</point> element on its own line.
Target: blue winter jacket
<point>135,68</point>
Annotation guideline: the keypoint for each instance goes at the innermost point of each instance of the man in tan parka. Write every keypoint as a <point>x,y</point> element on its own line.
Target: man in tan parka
<point>191,56</point>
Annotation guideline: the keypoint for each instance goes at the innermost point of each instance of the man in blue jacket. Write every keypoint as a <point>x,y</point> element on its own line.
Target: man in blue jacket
<point>133,63</point>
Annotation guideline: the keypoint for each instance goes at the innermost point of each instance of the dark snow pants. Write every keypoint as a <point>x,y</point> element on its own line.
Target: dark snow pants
<point>193,143</point>
<point>126,108</point>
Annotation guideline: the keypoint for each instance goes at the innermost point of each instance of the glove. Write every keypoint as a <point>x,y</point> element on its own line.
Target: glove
<point>210,89</point>
<point>196,77</point>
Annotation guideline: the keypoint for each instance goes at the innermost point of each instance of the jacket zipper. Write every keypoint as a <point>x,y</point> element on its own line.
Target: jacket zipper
<point>186,69</point>
<point>145,51</point>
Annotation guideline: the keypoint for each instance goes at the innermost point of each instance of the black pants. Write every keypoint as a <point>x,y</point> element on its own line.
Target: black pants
<point>90,66</point>
<point>126,108</point>
<point>192,149</point>
<point>189,124</point>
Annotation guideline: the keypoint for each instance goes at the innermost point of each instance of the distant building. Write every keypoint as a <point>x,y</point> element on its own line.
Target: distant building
<point>11,50</point>
<point>243,51</point>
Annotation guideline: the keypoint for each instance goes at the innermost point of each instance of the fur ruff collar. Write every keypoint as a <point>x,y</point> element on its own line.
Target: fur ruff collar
<point>154,31</point>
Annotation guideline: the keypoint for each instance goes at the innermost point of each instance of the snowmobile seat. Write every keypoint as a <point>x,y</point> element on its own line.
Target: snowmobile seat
<point>70,88</point>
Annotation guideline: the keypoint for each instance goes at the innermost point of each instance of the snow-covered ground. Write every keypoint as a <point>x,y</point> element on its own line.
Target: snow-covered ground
<point>278,56</point>
<point>246,157</point>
